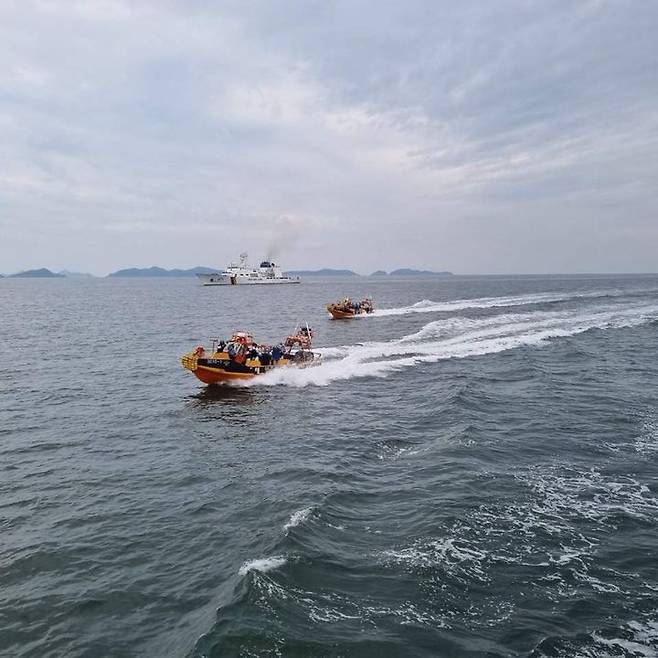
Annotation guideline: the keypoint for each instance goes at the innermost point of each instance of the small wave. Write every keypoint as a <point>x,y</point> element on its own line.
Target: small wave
<point>647,442</point>
<point>263,564</point>
<point>336,527</point>
<point>629,647</point>
<point>296,518</point>
<point>455,556</point>
<point>589,495</point>
<point>393,449</point>
<point>636,638</point>
<point>326,607</point>
<point>568,509</point>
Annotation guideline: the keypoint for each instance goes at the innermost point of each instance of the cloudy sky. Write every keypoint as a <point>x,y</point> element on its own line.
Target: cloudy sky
<point>475,136</point>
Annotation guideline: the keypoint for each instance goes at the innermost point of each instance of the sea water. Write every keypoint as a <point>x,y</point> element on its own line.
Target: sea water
<point>470,471</point>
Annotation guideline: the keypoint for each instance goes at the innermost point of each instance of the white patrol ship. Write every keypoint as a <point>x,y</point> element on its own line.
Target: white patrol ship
<point>242,274</point>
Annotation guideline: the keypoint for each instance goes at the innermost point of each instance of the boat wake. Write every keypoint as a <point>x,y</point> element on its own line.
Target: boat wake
<point>454,338</point>
<point>428,306</point>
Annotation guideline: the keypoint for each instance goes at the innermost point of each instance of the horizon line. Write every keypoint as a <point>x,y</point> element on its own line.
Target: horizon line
<point>344,269</point>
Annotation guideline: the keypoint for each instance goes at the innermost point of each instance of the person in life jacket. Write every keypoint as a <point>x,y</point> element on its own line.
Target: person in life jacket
<point>236,352</point>
<point>277,352</point>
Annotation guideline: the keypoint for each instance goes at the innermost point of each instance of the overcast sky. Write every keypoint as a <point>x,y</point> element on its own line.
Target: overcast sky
<point>479,137</point>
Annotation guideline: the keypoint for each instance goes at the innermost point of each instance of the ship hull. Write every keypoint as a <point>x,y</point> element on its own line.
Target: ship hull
<point>225,280</point>
<point>249,283</point>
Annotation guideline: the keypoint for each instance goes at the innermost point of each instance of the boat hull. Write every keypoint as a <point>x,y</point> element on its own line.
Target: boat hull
<point>340,314</point>
<point>222,370</point>
<point>218,376</point>
<point>226,280</point>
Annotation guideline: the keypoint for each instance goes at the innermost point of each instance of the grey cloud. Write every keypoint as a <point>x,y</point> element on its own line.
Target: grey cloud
<point>475,133</point>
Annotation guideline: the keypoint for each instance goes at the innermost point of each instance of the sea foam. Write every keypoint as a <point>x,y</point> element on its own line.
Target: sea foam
<point>455,338</point>
<point>429,306</point>
<point>263,564</point>
<point>296,518</point>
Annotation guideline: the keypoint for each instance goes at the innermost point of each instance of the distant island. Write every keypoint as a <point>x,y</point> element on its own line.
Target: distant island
<point>45,273</point>
<point>161,272</point>
<point>323,272</point>
<point>41,273</point>
<point>75,275</point>
<point>405,271</point>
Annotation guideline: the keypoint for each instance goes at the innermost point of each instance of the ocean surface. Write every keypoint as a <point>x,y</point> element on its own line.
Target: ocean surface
<point>472,471</point>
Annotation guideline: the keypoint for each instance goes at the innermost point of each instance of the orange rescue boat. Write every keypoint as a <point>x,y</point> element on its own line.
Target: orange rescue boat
<point>346,308</point>
<point>241,358</point>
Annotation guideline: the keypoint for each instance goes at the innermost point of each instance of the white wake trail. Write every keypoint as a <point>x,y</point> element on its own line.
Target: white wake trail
<point>428,306</point>
<point>455,337</point>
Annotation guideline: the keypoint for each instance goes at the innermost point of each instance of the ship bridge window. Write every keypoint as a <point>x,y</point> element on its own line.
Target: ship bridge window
<point>266,263</point>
